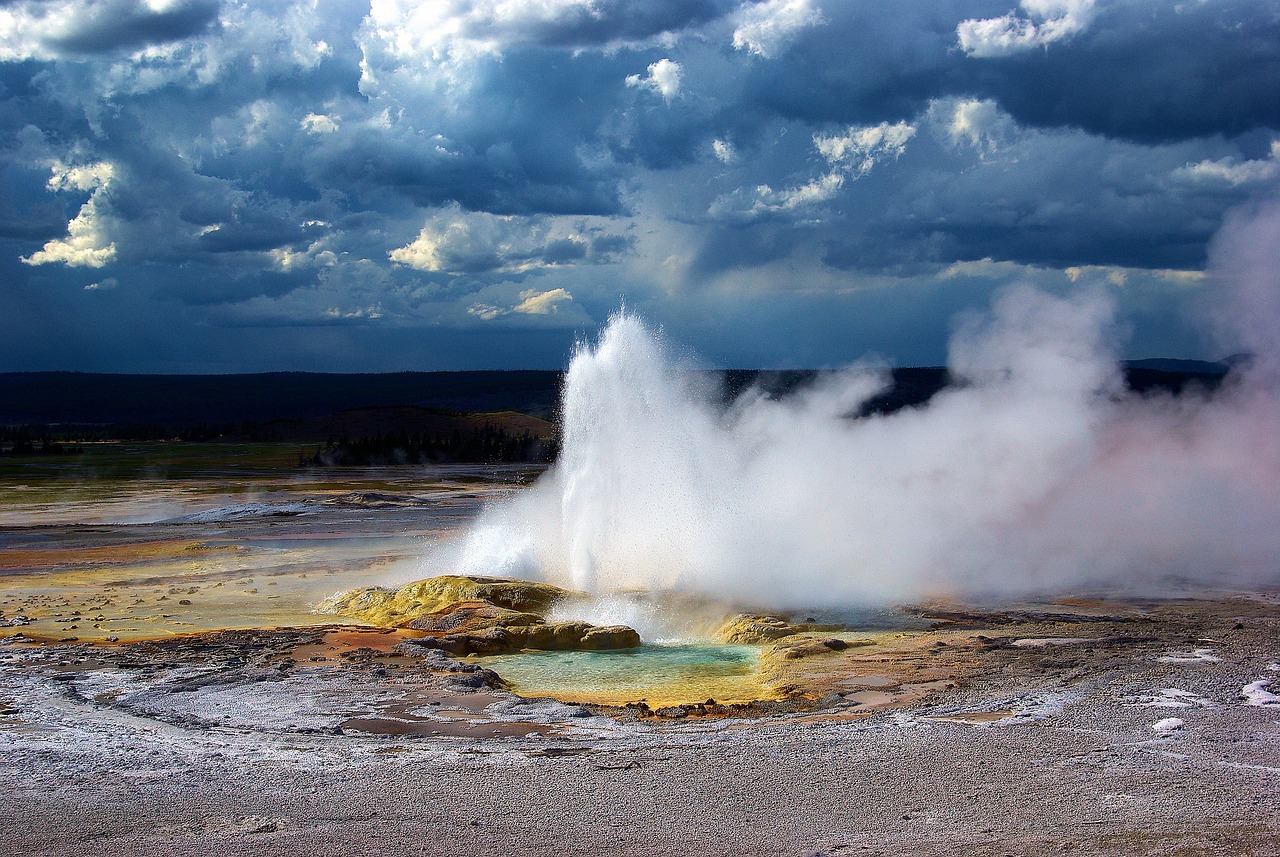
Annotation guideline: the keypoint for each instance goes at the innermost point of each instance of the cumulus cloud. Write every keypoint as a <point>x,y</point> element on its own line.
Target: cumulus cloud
<point>532,302</point>
<point>978,123</point>
<point>857,150</point>
<point>766,28</point>
<point>260,146</point>
<point>456,242</point>
<point>850,154</point>
<point>541,303</point>
<point>87,243</point>
<point>1234,171</point>
<point>544,308</point>
<point>1043,22</point>
<point>663,77</point>
<point>319,123</point>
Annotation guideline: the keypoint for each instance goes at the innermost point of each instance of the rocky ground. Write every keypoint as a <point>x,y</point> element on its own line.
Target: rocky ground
<point>1089,727</point>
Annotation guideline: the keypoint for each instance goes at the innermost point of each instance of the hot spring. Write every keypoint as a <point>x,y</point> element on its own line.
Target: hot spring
<point>659,675</point>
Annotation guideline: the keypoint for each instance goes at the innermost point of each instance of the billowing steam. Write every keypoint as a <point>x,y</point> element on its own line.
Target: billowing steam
<point>1036,474</point>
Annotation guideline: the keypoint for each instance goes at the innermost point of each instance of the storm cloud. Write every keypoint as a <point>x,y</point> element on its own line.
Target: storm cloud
<point>729,169</point>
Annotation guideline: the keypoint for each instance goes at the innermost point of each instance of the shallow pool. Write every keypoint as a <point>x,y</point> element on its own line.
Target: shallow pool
<point>659,675</point>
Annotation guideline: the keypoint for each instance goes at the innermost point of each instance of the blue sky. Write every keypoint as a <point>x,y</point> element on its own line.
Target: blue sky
<point>219,186</point>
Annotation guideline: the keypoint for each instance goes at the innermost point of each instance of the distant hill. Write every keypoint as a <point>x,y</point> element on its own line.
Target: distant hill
<point>1172,364</point>
<point>318,407</point>
<point>368,422</point>
<point>176,401</point>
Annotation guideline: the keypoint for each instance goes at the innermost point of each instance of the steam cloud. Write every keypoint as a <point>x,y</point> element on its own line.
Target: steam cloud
<point>1037,474</point>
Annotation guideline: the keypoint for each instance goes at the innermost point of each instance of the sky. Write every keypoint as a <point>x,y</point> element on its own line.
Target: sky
<point>196,186</point>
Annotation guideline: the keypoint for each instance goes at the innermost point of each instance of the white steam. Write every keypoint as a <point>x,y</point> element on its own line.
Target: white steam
<point>1036,473</point>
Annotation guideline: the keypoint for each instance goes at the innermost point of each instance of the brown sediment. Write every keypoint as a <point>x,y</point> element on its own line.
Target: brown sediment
<point>975,717</point>
<point>447,713</point>
<point>34,560</point>
<point>347,639</point>
<point>426,728</point>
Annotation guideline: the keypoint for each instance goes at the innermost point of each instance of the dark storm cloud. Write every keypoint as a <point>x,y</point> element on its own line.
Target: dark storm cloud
<point>114,25</point>
<point>1141,71</point>
<point>251,230</point>
<point>26,212</point>
<point>1150,72</point>
<point>481,164</point>
<point>864,65</point>
<point>580,25</point>
<point>541,177</point>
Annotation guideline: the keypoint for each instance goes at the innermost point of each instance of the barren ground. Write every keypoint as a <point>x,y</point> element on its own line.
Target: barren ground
<point>1097,728</point>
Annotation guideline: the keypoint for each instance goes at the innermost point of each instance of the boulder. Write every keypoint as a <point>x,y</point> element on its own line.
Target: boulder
<point>609,637</point>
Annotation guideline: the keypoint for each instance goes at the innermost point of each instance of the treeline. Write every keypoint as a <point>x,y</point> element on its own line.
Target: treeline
<point>28,438</point>
<point>24,440</point>
<point>485,445</point>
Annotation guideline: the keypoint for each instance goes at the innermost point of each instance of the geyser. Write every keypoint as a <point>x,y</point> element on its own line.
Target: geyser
<point>1035,473</point>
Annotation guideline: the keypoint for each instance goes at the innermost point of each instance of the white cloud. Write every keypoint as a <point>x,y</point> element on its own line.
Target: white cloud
<point>1234,171</point>
<point>663,78</point>
<point>1044,22</point>
<point>453,241</point>
<point>988,268</point>
<point>319,123</point>
<point>851,155</point>
<point>369,312</point>
<point>857,150</point>
<point>103,286</point>
<point>87,244</point>
<point>531,302</point>
<point>811,193</point>
<point>315,256</point>
<point>724,151</point>
<point>766,28</point>
<point>976,123</point>
<point>541,303</point>
<point>488,312</point>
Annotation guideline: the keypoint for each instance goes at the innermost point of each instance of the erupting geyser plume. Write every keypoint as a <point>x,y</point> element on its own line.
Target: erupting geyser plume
<point>1034,473</point>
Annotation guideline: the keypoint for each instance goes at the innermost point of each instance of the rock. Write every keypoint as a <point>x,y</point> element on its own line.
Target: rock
<point>468,617</point>
<point>390,608</point>
<point>478,628</point>
<point>478,616</point>
<point>610,637</point>
<point>567,635</point>
<point>753,629</point>
<point>672,711</point>
<point>804,647</point>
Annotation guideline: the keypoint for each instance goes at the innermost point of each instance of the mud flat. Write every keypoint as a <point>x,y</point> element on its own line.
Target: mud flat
<point>1099,728</point>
